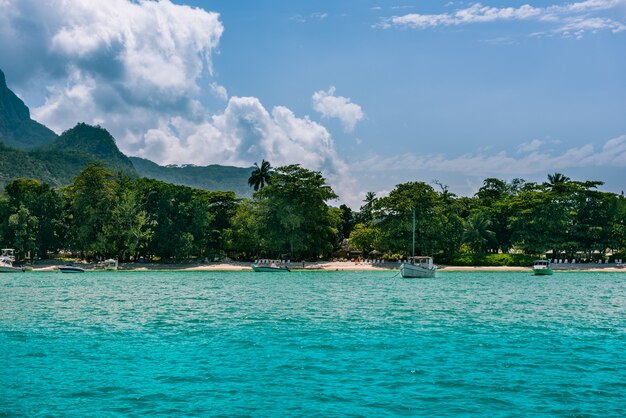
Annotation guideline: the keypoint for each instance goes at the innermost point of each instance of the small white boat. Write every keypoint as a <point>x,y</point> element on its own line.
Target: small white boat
<point>71,269</point>
<point>542,268</point>
<point>270,266</point>
<point>7,258</point>
<point>110,264</point>
<point>418,268</point>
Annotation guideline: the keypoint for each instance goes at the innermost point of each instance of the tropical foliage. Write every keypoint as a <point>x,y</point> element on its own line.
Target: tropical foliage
<point>104,214</point>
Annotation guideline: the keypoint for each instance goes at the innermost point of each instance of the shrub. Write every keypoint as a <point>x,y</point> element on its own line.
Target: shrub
<point>464,259</point>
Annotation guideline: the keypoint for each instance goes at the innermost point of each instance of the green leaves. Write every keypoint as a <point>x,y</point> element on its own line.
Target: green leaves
<point>260,176</point>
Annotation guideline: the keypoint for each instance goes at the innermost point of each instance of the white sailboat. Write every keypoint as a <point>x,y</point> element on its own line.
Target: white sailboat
<point>417,267</point>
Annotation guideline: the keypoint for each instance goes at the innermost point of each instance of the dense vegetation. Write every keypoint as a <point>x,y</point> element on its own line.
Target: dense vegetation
<point>102,214</point>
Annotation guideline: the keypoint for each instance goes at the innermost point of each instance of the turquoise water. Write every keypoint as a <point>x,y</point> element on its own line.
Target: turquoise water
<point>312,343</point>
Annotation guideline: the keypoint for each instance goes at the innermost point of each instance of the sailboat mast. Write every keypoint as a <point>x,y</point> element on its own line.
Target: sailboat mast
<point>413,251</point>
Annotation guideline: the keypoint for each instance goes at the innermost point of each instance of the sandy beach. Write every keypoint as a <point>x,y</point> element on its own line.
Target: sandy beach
<point>325,266</point>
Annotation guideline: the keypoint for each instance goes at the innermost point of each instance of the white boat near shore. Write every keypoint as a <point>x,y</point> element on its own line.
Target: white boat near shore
<point>110,265</point>
<point>542,268</point>
<point>270,266</point>
<point>418,268</point>
<point>7,258</point>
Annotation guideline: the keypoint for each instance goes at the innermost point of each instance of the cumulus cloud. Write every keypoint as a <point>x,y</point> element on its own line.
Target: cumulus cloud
<point>247,132</point>
<point>124,63</point>
<point>218,91</point>
<point>138,69</point>
<point>576,17</point>
<point>342,108</point>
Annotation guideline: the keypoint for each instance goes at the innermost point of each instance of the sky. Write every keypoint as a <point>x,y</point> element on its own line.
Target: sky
<point>371,93</point>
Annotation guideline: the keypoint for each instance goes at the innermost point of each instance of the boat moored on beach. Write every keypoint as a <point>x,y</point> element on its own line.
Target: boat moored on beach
<point>110,265</point>
<point>542,268</point>
<point>7,258</point>
<point>270,266</point>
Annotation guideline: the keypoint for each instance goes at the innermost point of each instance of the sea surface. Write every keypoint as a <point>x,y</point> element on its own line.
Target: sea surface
<point>312,344</point>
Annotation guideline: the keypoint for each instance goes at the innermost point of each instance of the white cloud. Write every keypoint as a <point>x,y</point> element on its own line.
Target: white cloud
<point>533,145</point>
<point>218,91</point>
<point>611,154</point>
<point>573,17</point>
<point>138,68</point>
<point>244,133</point>
<point>124,64</point>
<point>342,108</point>
<point>313,16</point>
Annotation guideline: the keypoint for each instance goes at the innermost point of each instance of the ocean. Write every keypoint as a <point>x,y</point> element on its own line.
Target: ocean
<point>312,344</point>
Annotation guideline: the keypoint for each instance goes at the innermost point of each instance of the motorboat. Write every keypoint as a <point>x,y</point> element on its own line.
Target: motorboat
<point>270,266</point>
<point>71,269</point>
<point>7,258</point>
<point>542,268</point>
<point>110,264</point>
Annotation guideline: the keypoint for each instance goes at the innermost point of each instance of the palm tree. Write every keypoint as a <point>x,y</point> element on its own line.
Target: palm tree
<point>260,176</point>
<point>366,209</point>
<point>557,179</point>
<point>476,232</point>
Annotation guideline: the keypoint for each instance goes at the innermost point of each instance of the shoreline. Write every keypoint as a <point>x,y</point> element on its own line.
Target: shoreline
<point>326,266</point>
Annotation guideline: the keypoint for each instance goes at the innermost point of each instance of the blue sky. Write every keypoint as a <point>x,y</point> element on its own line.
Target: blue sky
<point>372,93</point>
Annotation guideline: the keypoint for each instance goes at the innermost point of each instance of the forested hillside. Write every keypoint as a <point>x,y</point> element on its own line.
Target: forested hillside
<point>211,177</point>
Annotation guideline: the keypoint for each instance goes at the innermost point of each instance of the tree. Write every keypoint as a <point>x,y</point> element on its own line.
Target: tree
<point>245,236</point>
<point>476,232</point>
<point>557,180</point>
<point>364,237</point>
<point>365,213</point>
<point>42,203</point>
<point>347,223</point>
<point>260,176</point>
<point>91,199</point>
<point>394,213</point>
<point>24,227</point>
<point>295,215</point>
<point>128,230</point>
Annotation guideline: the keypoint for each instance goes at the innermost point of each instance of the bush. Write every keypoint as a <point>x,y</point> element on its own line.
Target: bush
<point>464,259</point>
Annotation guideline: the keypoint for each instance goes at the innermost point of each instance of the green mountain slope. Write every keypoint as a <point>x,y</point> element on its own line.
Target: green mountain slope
<point>93,143</point>
<point>211,177</point>
<point>29,149</point>
<point>56,168</point>
<point>17,129</point>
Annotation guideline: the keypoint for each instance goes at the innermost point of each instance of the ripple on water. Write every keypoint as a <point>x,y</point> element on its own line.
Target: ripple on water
<point>342,343</point>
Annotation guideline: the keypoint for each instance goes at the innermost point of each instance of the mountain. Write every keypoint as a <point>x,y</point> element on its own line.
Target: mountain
<point>29,149</point>
<point>58,163</point>
<point>17,129</point>
<point>92,143</point>
<point>211,177</point>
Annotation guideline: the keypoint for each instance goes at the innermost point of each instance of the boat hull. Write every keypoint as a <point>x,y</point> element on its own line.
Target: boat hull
<point>267,269</point>
<point>411,271</point>
<point>71,270</point>
<point>542,272</point>
<point>10,269</point>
